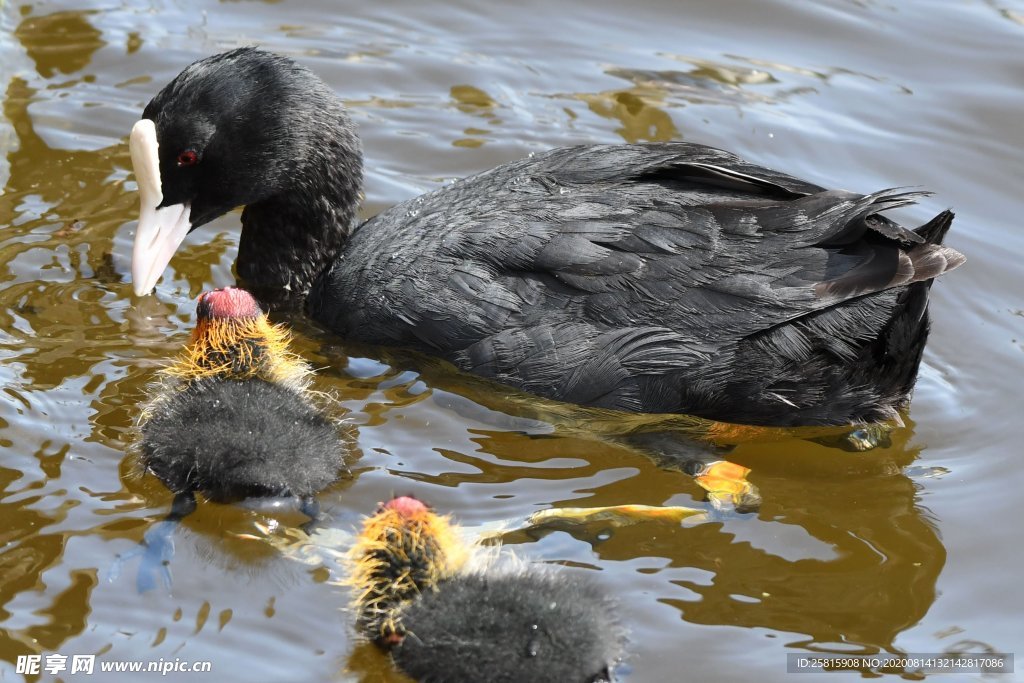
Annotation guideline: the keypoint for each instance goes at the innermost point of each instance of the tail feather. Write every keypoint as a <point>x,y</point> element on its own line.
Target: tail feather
<point>932,259</point>
<point>934,231</point>
<point>893,198</point>
<point>922,261</point>
<point>929,261</point>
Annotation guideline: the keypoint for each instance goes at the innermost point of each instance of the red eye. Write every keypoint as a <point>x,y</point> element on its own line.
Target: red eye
<point>188,158</point>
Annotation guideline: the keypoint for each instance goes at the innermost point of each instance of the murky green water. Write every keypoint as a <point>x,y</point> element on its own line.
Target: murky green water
<point>912,548</point>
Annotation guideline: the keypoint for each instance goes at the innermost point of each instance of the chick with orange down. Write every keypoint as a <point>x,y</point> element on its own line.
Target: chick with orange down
<point>448,611</point>
<point>234,418</point>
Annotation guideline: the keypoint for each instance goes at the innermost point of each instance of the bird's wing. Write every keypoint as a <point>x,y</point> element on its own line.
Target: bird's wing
<point>585,268</point>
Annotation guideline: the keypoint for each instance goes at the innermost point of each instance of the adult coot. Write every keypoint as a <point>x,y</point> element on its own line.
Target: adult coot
<point>233,418</point>
<point>667,277</point>
<point>448,612</point>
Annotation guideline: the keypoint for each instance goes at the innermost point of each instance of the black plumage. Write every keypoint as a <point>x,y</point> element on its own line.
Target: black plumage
<point>448,612</point>
<point>668,277</point>
<point>233,417</point>
<point>520,625</point>
<point>232,439</point>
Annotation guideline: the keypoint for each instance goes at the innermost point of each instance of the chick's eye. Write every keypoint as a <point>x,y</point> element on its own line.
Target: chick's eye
<point>188,158</point>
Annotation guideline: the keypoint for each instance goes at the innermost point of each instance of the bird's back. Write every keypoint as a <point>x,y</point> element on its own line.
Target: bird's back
<point>235,439</point>
<point>662,278</point>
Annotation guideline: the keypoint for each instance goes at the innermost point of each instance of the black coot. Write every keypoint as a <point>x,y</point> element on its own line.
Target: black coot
<point>449,612</point>
<point>233,418</point>
<point>668,277</point>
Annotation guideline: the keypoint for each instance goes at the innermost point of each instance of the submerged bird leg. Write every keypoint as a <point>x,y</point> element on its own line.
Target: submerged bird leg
<point>156,548</point>
<point>309,506</point>
<point>159,545</point>
<point>725,482</point>
<point>616,515</point>
<point>184,505</point>
<point>863,438</point>
<point>609,516</point>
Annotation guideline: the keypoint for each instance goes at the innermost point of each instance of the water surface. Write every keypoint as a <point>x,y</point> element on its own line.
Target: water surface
<point>911,548</point>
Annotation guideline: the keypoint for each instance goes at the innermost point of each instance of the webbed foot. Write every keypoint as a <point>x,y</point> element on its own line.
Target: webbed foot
<point>726,483</point>
<point>156,549</point>
<point>727,486</point>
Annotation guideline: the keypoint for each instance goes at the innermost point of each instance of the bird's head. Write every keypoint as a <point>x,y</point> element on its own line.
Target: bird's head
<point>230,130</point>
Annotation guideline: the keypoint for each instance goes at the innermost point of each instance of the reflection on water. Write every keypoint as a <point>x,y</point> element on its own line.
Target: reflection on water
<point>60,42</point>
<point>886,557</point>
<point>847,570</point>
<point>845,553</point>
<point>639,111</point>
<point>472,100</point>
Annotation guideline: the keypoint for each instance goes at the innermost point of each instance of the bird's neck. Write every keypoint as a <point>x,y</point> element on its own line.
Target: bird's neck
<point>291,237</point>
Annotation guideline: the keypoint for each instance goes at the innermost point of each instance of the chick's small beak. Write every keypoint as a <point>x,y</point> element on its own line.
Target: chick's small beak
<point>160,230</point>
